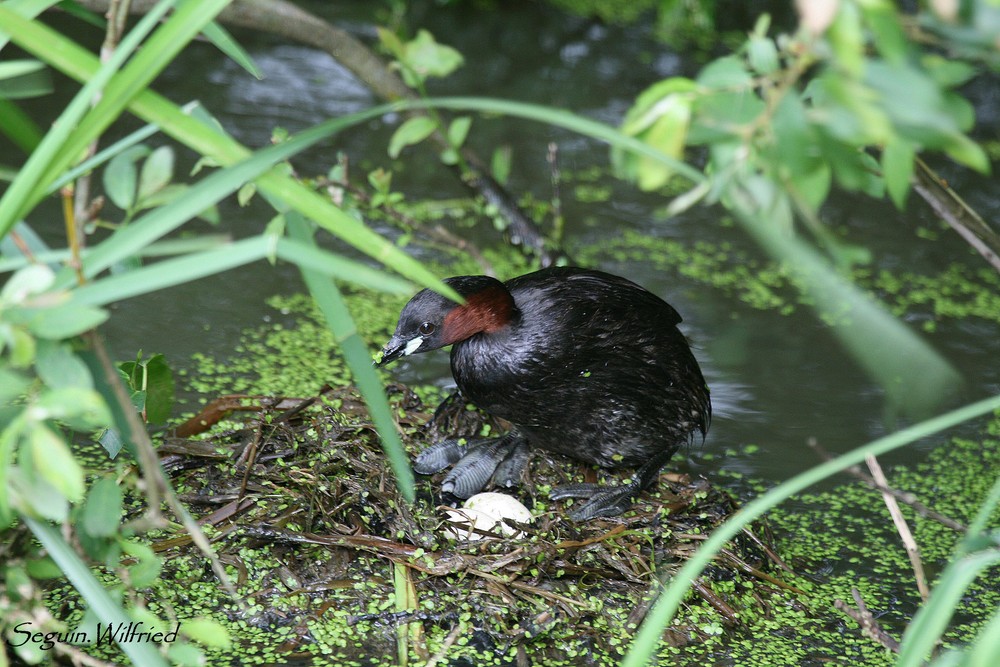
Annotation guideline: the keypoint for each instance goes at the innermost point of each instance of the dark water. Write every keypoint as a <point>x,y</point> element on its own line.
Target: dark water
<point>777,380</point>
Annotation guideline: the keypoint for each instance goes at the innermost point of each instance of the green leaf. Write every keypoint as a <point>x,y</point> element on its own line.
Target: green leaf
<point>885,27</point>
<point>20,79</point>
<point>358,357</point>
<point>206,632</point>
<point>14,68</point>
<point>63,321</point>
<point>813,186</point>
<point>121,177</point>
<point>846,36</point>
<point>186,655</point>
<point>147,568</point>
<point>102,511</point>
<point>223,41</point>
<point>647,108</point>
<point>43,568</point>
<point>946,72</point>
<point>12,385</point>
<point>425,57</point>
<point>157,171</point>
<point>964,150</point>
<point>667,135</point>
<point>32,495</point>
<point>154,379</point>
<point>897,170</point>
<point>81,409</point>
<point>762,54</point>
<point>391,41</point>
<point>660,118</point>
<point>55,463</point>
<point>98,600</point>
<point>103,156</point>
<point>59,367</point>
<point>500,163</point>
<point>19,126</point>
<point>458,130</point>
<point>32,279</point>
<point>727,72</point>
<point>796,141</point>
<point>112,441</point>
<point>413,131</point>
<point>647,639</point>
<point>724,116</point>
<point>23,346</point>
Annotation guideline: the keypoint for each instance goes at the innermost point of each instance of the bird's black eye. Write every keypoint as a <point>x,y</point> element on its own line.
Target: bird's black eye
<point>426,328</point>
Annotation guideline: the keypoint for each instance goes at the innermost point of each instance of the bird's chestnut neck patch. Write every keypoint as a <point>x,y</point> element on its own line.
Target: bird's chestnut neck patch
<point>485,311</point>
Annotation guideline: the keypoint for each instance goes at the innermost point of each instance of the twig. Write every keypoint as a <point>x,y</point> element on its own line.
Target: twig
<point>448,641</point>
<point>157,488</point>
<point>957,213</point>
<point>904,497</point>
<point>869,626</point>
<point>912,550</point>
<point>436,232</point>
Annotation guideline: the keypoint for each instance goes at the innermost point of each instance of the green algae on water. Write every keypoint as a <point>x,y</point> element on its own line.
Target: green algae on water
<point>959,291</point>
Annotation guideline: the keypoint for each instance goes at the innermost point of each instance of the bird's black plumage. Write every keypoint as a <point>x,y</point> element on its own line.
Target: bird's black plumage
<point>581,362</point>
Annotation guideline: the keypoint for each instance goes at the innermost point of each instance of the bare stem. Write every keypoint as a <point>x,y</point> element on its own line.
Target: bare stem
<point>912,550</point>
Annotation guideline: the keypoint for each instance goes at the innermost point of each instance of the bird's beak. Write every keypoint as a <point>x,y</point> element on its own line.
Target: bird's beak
<point>396,348</point>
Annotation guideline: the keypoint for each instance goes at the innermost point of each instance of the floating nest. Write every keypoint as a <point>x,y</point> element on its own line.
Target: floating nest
<point>307,482</point>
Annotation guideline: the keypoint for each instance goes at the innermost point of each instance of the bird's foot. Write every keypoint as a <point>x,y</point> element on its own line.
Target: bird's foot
<point>601,500</point>
<point>477,461</point>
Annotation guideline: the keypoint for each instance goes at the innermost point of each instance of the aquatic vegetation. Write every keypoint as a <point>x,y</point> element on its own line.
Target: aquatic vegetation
<point>834,541</point>
<point>958,291</point>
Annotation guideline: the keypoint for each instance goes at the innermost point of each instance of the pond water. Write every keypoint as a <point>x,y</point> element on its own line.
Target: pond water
<point>777,380</point>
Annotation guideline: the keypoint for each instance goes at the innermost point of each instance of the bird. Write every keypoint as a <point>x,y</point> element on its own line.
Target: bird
<point>580,362</point>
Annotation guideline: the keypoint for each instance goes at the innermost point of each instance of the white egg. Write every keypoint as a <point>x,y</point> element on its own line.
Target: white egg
<point>485,511</point>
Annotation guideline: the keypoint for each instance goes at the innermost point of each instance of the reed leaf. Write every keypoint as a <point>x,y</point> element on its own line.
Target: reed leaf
<point>97,598</point>
<point>647,639</point>
<point>359,360</point>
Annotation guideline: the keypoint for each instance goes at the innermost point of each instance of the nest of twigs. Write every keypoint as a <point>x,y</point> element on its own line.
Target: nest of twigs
<point>308,479</point>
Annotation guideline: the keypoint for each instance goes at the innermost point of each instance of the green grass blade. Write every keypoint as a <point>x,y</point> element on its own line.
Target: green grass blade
<point>926,628</point>
<point>359,360</point>
<point>180,270</point>
<point>165,248</point>
<point>76,62</point>
<point>171,272</point>
<point>223,41</point>
<point>914,375</point>
<point>32,36</point>
<point>130,240</point>
<point>647,639</point>
<point>559,118</point>
<point>103,156</point>
<point>19,127</point>
<point>29,9</point>
<point>98,599</point>
<point>982,518</point>
<point>163,45</point>
<point>335,266</point>
<point>985,650</point>
<point>911,371</point>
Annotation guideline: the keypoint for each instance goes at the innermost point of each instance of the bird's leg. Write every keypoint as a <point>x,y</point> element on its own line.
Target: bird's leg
<point>476,462</point>
<point>440,455</point>
<point>508,472</point>
<point>611,501</point>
